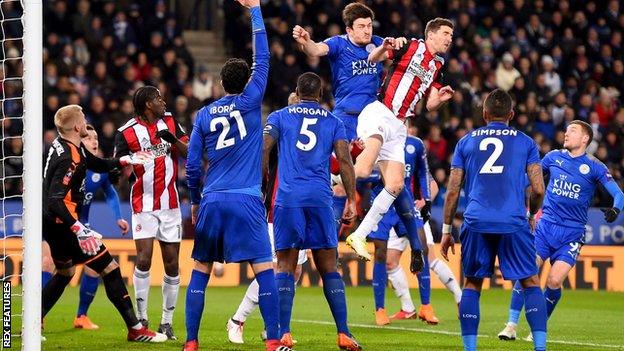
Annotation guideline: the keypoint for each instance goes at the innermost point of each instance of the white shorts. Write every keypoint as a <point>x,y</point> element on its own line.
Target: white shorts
<point>303,254</point>
<point>164,225</point>
<point>377,119</point>
<point>402,243</point>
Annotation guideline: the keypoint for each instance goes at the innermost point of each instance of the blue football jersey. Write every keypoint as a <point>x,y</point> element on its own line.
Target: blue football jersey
<point>355,81</point>
<point>305,134</point>
<point>571,187</point>
<point>94,182</point>
<point>494,159</point>
<point>229,132</point>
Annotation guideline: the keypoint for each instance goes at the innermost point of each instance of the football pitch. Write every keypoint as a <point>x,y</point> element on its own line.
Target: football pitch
<point>584,320</point>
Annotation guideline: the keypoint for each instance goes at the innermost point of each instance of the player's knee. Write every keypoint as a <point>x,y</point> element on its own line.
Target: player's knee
<point>66,272</point>
<point>110,267</point>
<point>101,263</point>
<point>363,170</point>
<point>394,186</point>
<point>47,264</point>
<point>143,263</point>
<point>380,255</point>
<point>391,265</point>
<point>554,282</point>
<point>530,282</point>
<point>172,268</point>
<point>90,272</point>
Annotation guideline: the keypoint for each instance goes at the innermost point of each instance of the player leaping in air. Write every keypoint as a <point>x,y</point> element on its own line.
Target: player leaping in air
<point>228,213</point>
<point>560,233</point>
<point>414,73</point>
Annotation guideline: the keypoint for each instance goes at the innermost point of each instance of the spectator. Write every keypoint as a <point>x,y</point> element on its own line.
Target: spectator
<point>506,73</point>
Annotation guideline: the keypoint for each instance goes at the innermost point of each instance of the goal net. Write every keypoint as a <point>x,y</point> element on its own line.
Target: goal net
<point>20,169</point>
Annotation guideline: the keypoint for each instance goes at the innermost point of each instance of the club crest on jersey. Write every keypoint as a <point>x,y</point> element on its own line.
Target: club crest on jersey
<point>370,47</point>
<point>584,168</point>
<point>70,173</point>
<point>138,228</point>
<point>96,177</point>
<point>410,149</point>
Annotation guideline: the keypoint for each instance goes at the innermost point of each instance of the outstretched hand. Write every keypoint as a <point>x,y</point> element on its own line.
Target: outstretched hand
<point>249,3</point>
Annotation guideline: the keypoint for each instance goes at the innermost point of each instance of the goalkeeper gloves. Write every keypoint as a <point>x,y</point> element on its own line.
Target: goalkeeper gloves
<point>88,240</point>
<point>610,214</point>
<point>166,135</point>
<point>137,158</point>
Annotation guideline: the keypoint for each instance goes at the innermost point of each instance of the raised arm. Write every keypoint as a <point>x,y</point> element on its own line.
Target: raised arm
<point>307,45</point>
<point>251,96</point>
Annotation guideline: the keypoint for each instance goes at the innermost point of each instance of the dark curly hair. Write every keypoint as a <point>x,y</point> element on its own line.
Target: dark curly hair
<point>234,75</point>
<point>141,97</point>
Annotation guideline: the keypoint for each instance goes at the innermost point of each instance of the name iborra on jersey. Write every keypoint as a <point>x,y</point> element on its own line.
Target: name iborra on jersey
<point>219,109</point>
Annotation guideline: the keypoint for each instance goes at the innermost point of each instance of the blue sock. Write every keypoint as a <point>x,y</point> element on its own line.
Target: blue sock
<point>404,205</point>
<point>535,310</point>
<point>88,287</point>
<point>517,301</point>
<point>286,288</point>
<point>334,290</point>
<point>380,279</point>
<point>339,205</point>
<point>424,284</point>
<point>268,300</point>
<point>551,296</point>
<point>195,296</point>
<point>469,316</point>
<point>45,278</point>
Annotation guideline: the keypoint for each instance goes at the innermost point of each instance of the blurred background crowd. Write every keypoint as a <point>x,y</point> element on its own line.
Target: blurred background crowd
<point>560,60</point>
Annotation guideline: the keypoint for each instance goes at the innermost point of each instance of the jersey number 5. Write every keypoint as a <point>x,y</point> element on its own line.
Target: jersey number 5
<point>488,166</point>
<point>222,142</point>
<point>307,122</point>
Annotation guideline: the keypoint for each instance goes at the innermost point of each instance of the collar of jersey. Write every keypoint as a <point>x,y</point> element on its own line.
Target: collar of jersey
<point>498,124</point>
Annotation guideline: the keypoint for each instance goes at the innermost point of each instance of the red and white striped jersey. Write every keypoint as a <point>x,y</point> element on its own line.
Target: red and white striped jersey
<point>155,185</point>
<point>413,72</point>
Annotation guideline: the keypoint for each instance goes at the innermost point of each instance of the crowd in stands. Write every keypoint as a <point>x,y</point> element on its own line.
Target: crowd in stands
<point>560,60</point>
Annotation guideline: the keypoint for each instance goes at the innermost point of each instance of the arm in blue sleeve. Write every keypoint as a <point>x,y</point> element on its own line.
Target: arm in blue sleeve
<point>194,171</point>
<point>616,192</point>
<point>254,90</point>
<point>112,199</point>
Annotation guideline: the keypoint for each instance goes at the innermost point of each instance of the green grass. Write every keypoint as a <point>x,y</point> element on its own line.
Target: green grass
<point>584,320</point>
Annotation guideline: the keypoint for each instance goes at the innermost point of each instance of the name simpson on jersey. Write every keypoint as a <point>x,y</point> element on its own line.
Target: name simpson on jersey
<point>497,132</point>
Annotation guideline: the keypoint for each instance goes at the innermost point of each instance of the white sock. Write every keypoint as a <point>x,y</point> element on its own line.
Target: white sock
<point>444,273</point>
<point>398,279</point>
<point>170,288</point>
<point>141,281</point>
<point>249,303</point>
<point>378,209</point>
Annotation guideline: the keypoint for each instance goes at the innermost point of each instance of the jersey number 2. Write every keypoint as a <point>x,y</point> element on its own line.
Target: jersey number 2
<point>222,142</point>
<point>488,166</point>
<point>310,134</point>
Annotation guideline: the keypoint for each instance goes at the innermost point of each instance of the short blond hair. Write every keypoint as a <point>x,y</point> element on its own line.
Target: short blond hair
<point>65,116</point>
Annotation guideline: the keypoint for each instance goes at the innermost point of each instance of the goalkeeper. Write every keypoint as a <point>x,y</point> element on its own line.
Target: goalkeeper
<point>70,241</point>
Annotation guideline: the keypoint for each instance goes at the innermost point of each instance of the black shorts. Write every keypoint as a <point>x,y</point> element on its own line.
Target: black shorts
<point>64,246</point>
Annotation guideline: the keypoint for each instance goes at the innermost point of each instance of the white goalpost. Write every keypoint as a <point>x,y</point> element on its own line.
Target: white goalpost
<point>33,160</point>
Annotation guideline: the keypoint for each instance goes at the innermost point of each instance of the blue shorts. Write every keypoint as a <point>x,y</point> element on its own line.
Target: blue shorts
<point>515,251</point>
<point>558,243</point>
<point>231,228</point>
<point>304,228</point>
<point>350,123</point>
<point>391,220</point>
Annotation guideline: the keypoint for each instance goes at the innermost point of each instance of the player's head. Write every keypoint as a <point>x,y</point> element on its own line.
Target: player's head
<point>309,87</point>
<point>578,136</point>
<point>148,101</point>
<point>234,75</point>
<point>498,107</point>
<point>358,18</point>
<point>70,120</point>
<point>91,140</point>
<point>439,34</point>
